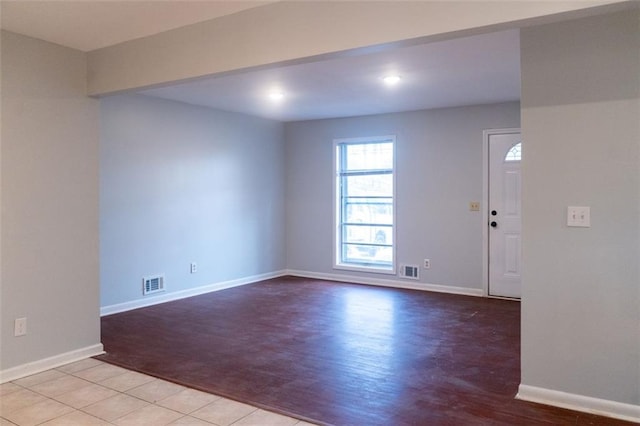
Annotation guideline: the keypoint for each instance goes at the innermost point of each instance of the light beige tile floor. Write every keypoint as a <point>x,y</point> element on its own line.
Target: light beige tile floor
<point>90,392</point>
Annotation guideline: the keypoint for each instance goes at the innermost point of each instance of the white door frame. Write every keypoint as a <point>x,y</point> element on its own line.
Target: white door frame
<point>485,202</point>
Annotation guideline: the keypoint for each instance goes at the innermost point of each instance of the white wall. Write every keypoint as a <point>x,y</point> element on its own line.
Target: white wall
<point>438,172</point>
<point>581,289</point>
<point>181,184</point>
<point>49,202</point>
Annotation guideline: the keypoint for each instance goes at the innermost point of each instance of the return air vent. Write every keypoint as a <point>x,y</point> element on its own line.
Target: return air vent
<point>409,271</point>
<point>152,285</point>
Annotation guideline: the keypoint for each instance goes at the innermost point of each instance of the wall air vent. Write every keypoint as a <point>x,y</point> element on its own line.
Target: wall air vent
<point>409,271</point>
<point>153,284</point>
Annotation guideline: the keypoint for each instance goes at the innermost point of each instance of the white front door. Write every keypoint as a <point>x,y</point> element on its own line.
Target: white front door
<point>505,218</point>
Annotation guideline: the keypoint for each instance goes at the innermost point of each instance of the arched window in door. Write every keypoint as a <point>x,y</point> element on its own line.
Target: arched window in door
<point>515,153</point>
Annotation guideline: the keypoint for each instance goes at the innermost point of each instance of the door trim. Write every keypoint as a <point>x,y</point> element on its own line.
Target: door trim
<point>486,134</point>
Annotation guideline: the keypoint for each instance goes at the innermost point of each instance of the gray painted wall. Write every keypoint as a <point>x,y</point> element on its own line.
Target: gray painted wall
<point>438,172</point>
<point>181,184</point>
<point>49,202</point>
<point>581,289</point>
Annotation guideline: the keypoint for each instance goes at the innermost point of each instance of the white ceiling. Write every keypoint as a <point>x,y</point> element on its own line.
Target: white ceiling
<point>464,71</point>
<point>91,24</point>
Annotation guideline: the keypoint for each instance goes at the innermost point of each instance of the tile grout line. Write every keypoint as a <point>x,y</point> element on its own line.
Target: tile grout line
<point>89,383</point>
<point>117,392</point>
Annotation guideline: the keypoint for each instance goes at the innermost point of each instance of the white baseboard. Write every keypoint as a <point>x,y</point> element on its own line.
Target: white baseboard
<point>587,404</point>
<point>39,366</point>
<point>141,303</point>
<point>183,294</point>
<point>395,283</point>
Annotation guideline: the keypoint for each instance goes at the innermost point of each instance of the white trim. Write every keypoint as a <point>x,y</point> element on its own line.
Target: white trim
<point>141,303</point>
<point>465,291</point>
<point>369,269</point>
<point>485,201</point>
<point>39,366</point>
<point>587,404</point>
<point>183,294</point>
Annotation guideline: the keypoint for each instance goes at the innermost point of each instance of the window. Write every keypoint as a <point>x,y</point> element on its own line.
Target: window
<point>365,204</point>
<point>515,153</point>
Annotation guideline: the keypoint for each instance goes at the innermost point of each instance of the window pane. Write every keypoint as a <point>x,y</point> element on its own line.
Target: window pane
<point>369,210</point>
<point>515,153</point>
<point>363,254</point>
<point>370,156</point>
<point>368,185</point>
<point>365,234</point>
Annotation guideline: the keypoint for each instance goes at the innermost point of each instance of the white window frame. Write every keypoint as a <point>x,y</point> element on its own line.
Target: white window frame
<point>337,237</point>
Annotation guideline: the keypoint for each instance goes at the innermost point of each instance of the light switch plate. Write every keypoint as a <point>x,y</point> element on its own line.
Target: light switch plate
<point>579,216</point>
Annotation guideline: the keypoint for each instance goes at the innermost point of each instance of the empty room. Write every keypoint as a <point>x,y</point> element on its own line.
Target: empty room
<point>337,213</point>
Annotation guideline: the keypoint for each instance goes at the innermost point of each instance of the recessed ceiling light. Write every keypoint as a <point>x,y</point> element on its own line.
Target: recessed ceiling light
<point>276,96</point>
<point>391,80</point>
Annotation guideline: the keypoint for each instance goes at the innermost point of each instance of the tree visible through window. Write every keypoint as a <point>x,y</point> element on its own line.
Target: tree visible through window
<point>365,203</point>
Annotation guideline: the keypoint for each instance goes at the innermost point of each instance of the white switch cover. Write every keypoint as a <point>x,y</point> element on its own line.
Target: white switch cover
<point>579,216</point>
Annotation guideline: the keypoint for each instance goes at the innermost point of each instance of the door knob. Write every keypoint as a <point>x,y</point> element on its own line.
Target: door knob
<point>493,212</point>
<point>494,224</point>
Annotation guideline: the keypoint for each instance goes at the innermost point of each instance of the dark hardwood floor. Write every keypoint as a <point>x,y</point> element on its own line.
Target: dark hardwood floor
<point>340,354</point>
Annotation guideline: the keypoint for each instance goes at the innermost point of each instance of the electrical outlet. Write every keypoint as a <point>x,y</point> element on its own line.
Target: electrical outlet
<point>427,264</point>
<point>20,327</point>
<point>474,206</point>
<point>579,216</point>
<point>193,267</point>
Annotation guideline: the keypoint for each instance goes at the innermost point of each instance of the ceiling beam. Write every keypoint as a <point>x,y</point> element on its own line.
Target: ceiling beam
<point>295,32</point>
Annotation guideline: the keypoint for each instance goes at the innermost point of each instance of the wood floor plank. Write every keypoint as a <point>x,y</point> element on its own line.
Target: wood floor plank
<point>340,354</point>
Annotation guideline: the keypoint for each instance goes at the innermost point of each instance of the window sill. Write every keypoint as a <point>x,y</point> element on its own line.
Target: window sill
<point>369,269</point>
